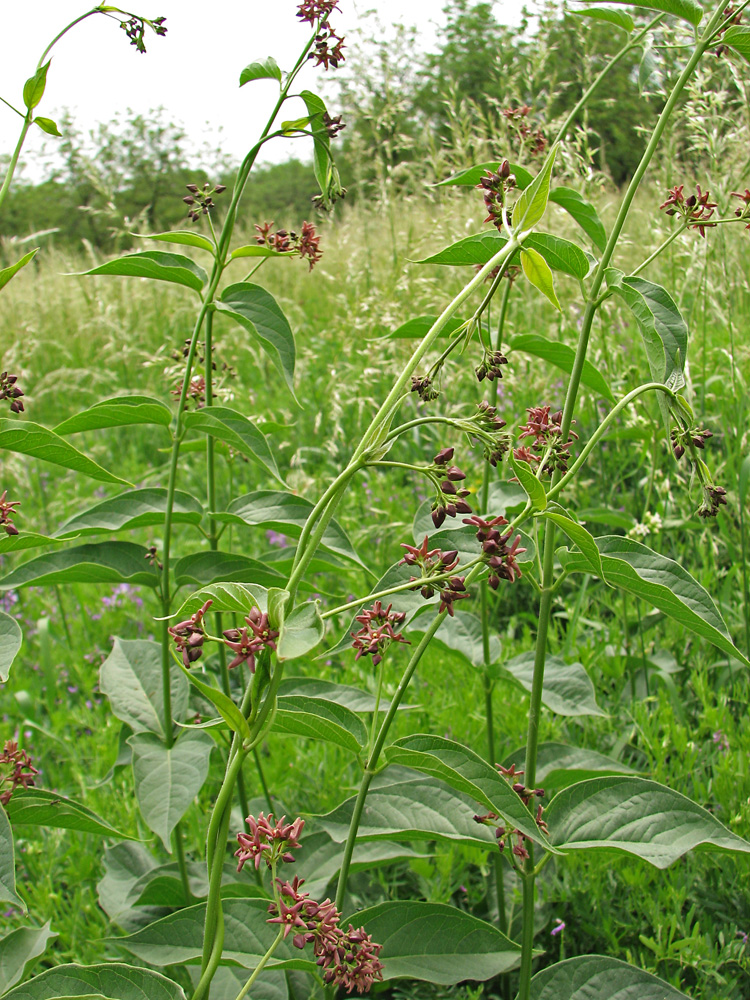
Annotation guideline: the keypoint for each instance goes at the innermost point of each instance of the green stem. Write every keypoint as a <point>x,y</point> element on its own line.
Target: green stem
<point>670,239</point>
<point>261,965</point>
<point>14,159</point>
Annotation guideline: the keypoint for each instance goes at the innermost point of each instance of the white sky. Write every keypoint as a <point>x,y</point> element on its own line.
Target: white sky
<point>193,72</point>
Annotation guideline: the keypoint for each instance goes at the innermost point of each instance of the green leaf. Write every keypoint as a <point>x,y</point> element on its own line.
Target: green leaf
<point>531,206</point>
<point>301,631</point>
<point>48,126</point>
<point>237,598</point>
<point>687,10</point>
<point>560,254</point>
<point>596,977</point>
<point>255,250</point>
<point>162,886</point>
<point>738,38</point>
<point>7,273</point>
<point>8,892</point>
<point>288,513</point>
<point>342,694</point>
<point>322,859</point>
<point>258,312</point>
<point>582,538</point>
<point>98,562</point>
<point>321,142</point>
<point>263,69</point>
<point>33,89</point>
<point>19,952</point>
<point>25,540</point>
<point>178,938</point>
<point>567,687</point>
<point>28,438</point>
<point>533,488</point>
<point>632,815</point>
<point>558,765</point>
<point>156,264</point>
<point>167,779</point>
<point>319,719</point>
<point>472,175</point>
<point>119,411</point>
<point>662,582</point>
<point>620,19</point>
<point>132,680</point>
<point>463,634</point>
<point>537,270</point>
<point>11,638</point>
<point>133,509</point>
<point>223,705</point>
<point>415,329</point>
<point>39,807</point>
<point>561,356</point>
<point>436,943</point>
<point>112,980</point>
<point>575,204</point>
<point>235,430</point>
<point>204,568</point>
<point>183,237</point>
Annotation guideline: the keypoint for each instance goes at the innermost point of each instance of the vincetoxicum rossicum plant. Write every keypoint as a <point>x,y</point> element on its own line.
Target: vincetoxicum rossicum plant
<point>219,915</point>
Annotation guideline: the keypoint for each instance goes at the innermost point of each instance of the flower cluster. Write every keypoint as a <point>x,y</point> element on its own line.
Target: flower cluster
<point>498,551</point>
<point>9,390</point>
<point>544,427</point>
<point>378,631</point>
<point>16,770</point>
<point>490,368</point>
<point>332,125</point>
<point>533,139</point>
<point>196,391</point>
<point>495,186</point>
<point>135,28</point>
<point>246,642</point>
<point>450,500</point>
<point>268,841</point>
<point>305,244</point>
<point>713,498</point>
<point>690,439</point>
<point>680,438</point>
<point>743,212</point>
<point>696,208</point>
<point>422,385</point>
<point>431,562</point>
<point>526,795</point>
<point>201,200</point>
<point>495,443</point>
<point>7,513</point>
<point>189,635</point>
<point>328,50</point>
<point>454,591</point>
<point>311,11</point>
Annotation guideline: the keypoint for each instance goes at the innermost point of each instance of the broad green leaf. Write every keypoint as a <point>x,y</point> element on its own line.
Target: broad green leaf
<point>178,938</point>
<point>529,210</point>
<point>582,538</point>
<point>301,631</point>
<point>322,857</point>
<point>28,438</point>
<point>25,540</point>
<point>508,499</point>
<point>235,430</point>
<point>256,250</point>
<point>533,488</point>
<point>222,703</point>
<point>133,509</point>
<point>319,719</point>
<point>123,865</point>
<point>7,273</point>
<point>575,204</point>
<point>167,780</point>
<point>560,254</point>
<point>321,142</point>
<point>158,265</point>
<point>119,411</point>
<point>258,312</point>
<point>567,687</point>
<point>342,694</point>
<point>183,237</point>
<point>596,977</point>
<point>48,125</point>
<point>99,562</point>
<point>39,807</point>
<point>263,69</point>
<point>271,984</point>
<point>537,270</point>
<point>201,569</point>
<point>162,886</point>
<point>284,512</point>
<point>632,815</point>
<point>114,980</point>
<point>472,175</point>
<point>662,582</point>
<point>738,38</point>
<point>463,634</point>
<point>8,892</point>
<point>19,952</point>
<point>687,10</point>
<point>238,598</point>
<point>436,943</point>
<point>33,89</point>
<point>11,638</point>
<point>605,515</point>
<point>561,356</point>
<point>620,19</point>
<point>415,329</point>
<point>558,765</point>
<point>131,678</point>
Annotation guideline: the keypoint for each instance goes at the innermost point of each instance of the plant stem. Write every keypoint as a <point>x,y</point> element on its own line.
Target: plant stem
<point>261,965</point>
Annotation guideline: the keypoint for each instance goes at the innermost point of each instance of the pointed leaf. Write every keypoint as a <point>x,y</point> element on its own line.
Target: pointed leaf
<point>7,273</point>
<point>255,250</point>
<point>596,977</point>
<point>28,438</point>
<point>635,816</point>
<point>11,638</point>
<point>529,210</point>
<point>575,204</point>
<point>687,10</point>
<point>237,431</point>
<point>533,488</point>
<point>223,705</point>
<point>560,254</point>
<point>8,892</point>
<point>463,634</point>
<point>582,538</point>
<point>112,980</point>
<point>182,237</point>
<point>131,678</point>
<point>620,19</point>
<point>538,272</point>
<point>415,329</point>
<point>258,312</point>
<point>162,886</point>
<point>25,540</point>
<point>301,632</point>
<point>168,779</point>
<point>738,38</point>
<point>319,719</point>
<point>33,89</point>
<point>263,69</point>
<point>662,582</point>
<point>436,943</point>
<point>119,411</point>
<point>561,356</point>
<point>237,598</point>
<point>472,175</point>
<point>321,141</point>
<point>558,765</point>
<point>99,562</point>
<point>39,807</point>
<point>204,568</point>
<point>19,952</point>
<point>156,264</point>
<point>341,694</point>
<point>133,509</point>
<point>48,125</point>
<point>567,687</point>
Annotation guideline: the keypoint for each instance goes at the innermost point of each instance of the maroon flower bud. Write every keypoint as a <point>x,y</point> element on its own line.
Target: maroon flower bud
<point>443,456</point>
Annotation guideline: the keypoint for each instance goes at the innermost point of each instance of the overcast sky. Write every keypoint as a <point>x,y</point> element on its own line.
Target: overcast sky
<point>193,72</point>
